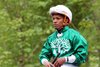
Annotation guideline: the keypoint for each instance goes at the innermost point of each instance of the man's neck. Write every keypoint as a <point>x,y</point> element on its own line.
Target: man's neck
<point>59,31</point>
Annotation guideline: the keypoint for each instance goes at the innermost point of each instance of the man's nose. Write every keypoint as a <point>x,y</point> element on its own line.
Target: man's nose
<point>54,20</point>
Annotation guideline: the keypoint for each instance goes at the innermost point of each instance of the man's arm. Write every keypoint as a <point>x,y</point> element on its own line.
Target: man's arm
<point>45,55</point>
<point>81,48</point>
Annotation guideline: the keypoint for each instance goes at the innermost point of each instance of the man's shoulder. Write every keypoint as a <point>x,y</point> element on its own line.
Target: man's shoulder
<point>77,34</point>
<point>73,31</point>
<point>52,35</point>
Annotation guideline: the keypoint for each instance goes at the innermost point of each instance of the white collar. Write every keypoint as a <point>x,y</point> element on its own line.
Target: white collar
<point>59,34</point>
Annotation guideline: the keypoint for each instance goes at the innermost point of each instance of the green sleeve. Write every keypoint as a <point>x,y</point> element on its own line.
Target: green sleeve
<point>81,48</point>
<point>45,52</point>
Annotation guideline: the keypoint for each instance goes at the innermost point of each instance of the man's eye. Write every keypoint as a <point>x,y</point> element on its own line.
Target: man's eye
<point>53,18</point>
<point>58,18</point>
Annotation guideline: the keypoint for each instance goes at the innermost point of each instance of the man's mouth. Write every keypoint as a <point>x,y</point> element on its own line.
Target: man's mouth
<point>55,25</point>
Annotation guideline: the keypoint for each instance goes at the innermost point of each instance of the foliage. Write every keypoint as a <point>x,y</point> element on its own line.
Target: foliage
<point>25,25</point>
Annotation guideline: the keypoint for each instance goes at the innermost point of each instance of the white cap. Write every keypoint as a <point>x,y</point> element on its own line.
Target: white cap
<point>61,9</point>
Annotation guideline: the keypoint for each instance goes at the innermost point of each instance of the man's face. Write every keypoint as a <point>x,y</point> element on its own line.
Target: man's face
<point>58,21</point>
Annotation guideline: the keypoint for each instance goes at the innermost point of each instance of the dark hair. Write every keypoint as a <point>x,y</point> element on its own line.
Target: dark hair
<point>58,14</point>
<point>61,15</point>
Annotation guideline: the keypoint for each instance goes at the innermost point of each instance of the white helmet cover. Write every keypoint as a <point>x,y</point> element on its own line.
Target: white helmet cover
<point>61,9</point>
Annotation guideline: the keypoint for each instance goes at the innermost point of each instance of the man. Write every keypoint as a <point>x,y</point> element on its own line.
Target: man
<point>68,43</point>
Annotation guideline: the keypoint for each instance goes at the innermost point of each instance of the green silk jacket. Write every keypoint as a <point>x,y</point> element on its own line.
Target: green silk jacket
<point>71,42</point>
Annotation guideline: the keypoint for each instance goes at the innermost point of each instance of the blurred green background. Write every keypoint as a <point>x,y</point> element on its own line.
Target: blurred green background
<point>25,25</point>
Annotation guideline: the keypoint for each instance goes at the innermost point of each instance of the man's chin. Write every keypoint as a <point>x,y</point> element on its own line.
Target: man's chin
<point>57,28</point>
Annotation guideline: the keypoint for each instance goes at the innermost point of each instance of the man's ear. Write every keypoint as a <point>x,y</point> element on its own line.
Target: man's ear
<point>66,22</point>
